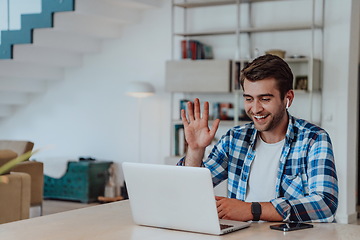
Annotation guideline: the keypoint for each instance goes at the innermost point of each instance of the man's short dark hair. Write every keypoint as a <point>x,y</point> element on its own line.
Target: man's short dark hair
<point>269,66</point>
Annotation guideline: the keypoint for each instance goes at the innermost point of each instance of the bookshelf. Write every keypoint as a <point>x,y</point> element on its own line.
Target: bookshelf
<point>220,76</point>
<point>248,30</point>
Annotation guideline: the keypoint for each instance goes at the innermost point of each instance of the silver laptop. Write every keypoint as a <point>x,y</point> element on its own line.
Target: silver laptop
<point>175,197</point>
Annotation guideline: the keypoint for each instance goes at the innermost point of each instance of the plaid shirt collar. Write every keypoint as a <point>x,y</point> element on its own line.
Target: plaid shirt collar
<point>290,133</point>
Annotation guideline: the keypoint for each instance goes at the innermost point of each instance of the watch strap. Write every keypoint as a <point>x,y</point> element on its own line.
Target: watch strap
<point>256,211</point>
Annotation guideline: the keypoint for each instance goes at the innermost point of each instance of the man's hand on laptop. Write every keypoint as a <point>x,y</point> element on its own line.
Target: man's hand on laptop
<point>233,209</point>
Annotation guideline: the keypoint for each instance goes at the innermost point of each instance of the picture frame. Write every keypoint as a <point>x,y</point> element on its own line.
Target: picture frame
<point>301,82</point>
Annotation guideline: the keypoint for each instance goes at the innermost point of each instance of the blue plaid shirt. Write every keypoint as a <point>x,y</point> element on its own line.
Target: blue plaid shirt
<point>306,184</point>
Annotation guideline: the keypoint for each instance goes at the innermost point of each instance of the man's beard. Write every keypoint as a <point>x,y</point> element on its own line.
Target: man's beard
<point>271,122</point>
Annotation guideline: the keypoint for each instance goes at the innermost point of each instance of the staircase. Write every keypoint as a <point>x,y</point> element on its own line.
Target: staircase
<point>59,41</point>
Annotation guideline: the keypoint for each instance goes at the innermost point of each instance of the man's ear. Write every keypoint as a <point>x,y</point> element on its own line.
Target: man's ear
<point>289,98</point>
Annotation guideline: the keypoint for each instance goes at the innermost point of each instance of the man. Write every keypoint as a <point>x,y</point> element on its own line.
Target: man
<point>278,167</point>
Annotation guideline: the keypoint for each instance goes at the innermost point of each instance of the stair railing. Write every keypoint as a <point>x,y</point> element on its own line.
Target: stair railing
<point>11,11</point>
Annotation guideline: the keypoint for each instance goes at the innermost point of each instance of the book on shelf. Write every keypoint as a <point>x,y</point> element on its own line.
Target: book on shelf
<point>208,52</point>
<point>195,50</point>
<point>182,147</point>
<point>238,66</point>
<point>180,144</point>
<point>184,48</point>
<point>183,105</point>
<point>237,85</point>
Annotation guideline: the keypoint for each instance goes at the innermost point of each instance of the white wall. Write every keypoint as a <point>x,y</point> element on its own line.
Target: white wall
<point>87,113</point>
<point>340,109</point>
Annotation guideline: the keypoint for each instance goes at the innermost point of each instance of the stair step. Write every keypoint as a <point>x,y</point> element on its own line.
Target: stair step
<point>50,6</point>
<point>24,85</point>
<point>139,4</point>
<point>93,26</point>
<point>109,11</point>
<point>10,98</point>
<point>6,111</point>
<point>39,20</point>
<point>65,40</point>
<point>46,56</point>
<point>12,68</point>
<point>8,38</point>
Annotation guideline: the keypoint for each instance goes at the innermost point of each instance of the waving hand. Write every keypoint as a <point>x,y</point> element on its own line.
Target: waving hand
<point>197,132</point>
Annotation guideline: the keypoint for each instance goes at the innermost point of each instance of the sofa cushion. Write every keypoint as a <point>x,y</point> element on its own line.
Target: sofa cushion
<point>18,146</point>
<point>5,156</point>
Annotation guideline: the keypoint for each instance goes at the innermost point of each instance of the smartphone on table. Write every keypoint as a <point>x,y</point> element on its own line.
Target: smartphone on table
<point>291,226</point>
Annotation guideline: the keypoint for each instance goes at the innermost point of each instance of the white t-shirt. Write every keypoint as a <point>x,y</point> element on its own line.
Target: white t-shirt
<point>263,171</point>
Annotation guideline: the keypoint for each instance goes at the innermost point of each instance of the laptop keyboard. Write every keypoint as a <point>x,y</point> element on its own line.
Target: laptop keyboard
<point>225,226</point>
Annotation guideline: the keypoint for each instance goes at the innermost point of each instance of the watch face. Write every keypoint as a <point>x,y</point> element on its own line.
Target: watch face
<point>256,211</point>
<point>255,207</point>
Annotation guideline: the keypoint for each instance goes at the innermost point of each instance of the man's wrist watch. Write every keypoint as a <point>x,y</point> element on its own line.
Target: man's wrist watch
<point>256,211</point>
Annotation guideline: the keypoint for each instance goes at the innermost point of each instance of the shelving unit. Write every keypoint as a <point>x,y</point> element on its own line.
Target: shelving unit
<point>201,76</point>
<point>248,30</point>
<point>192,76</point>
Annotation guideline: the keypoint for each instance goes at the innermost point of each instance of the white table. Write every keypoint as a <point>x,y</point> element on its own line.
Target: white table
<point>114,221</point>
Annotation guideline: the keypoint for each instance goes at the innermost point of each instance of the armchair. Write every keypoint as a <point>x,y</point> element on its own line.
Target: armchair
<point>15,192</point>
<point>34,169</point>
<point>15,197</point>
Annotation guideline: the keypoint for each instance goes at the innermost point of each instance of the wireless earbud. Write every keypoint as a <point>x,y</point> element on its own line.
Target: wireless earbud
<point>287,103</point>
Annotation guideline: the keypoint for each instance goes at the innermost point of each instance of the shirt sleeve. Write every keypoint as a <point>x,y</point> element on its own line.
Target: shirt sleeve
<point>181,162</point>
<point>321,201</point>
<point>217,160</point>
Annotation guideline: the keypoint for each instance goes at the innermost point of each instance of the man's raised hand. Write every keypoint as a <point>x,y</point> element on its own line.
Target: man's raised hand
<point>197,132</point>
